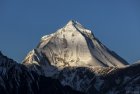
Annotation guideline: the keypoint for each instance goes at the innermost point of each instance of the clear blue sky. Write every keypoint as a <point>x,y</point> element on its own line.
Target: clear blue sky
<point>115,22</point>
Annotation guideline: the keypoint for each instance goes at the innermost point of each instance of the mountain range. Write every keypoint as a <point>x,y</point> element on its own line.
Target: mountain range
<point>69,61</point>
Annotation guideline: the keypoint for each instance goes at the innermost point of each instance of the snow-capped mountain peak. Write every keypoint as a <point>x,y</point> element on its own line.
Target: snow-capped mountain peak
<point>76,26</point>
<point>72,46</point>
<point>73,24</point>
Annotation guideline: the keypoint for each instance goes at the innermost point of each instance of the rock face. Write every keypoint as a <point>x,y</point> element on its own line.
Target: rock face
<point>17,79</point>
<point>72,46</point>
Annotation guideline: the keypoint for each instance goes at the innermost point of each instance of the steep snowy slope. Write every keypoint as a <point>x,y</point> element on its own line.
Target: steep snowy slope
<point>74,46</point>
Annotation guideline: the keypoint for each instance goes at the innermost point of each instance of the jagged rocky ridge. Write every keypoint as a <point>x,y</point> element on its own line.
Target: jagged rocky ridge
<point>17,79</point>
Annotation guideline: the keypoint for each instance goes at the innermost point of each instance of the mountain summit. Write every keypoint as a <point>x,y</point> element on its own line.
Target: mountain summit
<point>72,46</point>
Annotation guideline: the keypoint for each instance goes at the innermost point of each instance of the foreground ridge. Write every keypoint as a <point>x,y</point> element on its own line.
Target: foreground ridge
<point>15,78</point>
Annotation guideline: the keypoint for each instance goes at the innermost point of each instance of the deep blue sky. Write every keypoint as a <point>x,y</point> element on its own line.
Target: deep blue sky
<point>115,22</point>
